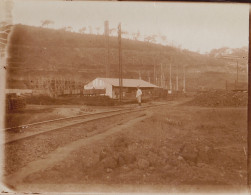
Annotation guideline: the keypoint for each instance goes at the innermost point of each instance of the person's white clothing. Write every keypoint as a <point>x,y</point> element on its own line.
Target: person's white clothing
<point>139,93</point>
<point>138,96</point>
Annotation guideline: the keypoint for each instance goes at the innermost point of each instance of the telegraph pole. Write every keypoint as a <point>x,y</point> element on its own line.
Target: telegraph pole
<point>177,78</point>
<point>177,83</point>
<point>154,74</point>
<point>154,71</point>
<point>161,76</point>
<point>106,33</point>
<point>120,63</point>
<point>171,76</point>
<point>237,72</point>
<point>229,57</point>
<point>184,79</point>
<point>139,75</point>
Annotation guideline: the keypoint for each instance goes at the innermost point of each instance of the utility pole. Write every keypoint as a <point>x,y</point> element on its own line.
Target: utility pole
<point>177,83</point>
<point>154,74</point>
<point>106,33</point>
<point>170,76</point>
<point>120,63</point>
<point>161,76</point>
<point>229,57</point>
<point>184,79</point>
<point>166,76</point>
<point>139,75</point>
<point>237,72</point>
<point>165,72</point>
<point>177,78</point>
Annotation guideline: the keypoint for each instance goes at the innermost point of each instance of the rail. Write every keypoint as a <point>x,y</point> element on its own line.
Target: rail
<point>84,120</point>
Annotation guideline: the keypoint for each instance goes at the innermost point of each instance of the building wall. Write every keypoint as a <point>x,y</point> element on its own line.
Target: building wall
<point>112,91</point>
<point>109,91</point>
<point>95,84</point>
<point>99,84</point>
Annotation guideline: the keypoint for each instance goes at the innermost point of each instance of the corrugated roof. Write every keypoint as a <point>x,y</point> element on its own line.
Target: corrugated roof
<point>128,82</point>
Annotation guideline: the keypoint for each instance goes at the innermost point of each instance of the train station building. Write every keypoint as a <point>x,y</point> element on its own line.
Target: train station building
<point>111,86</point>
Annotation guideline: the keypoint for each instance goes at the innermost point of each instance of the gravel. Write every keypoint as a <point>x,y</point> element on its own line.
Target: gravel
<point>20,153</point>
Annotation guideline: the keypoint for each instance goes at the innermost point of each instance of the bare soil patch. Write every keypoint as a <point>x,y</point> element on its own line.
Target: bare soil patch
<point>217,98</point>
<point>177,146</point>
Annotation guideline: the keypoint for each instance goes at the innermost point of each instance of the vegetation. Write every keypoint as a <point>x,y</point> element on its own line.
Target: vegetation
<point>36,52</point>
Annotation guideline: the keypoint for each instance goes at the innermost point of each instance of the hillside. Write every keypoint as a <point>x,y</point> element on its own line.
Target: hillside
<point>36,53</point>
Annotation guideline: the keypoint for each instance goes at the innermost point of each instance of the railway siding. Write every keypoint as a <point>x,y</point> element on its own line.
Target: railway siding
<point>31,130</point>
<point>44,143</point>
<point>62,152</point>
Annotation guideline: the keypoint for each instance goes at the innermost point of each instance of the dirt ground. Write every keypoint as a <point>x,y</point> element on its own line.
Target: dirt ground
<point>172,147</point>
<point>220,98</point>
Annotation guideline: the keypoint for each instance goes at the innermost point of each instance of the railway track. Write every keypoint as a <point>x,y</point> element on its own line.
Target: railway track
<point>32,155</point>
<point>34,129</point>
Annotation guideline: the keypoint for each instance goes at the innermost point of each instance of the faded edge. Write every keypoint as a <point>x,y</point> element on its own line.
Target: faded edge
<point>6,7</point>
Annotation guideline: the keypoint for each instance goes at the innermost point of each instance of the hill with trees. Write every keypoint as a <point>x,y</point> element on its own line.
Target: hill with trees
<point>37,53</point>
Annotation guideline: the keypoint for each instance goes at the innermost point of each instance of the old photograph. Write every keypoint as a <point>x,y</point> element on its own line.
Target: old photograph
<point>124,96</point>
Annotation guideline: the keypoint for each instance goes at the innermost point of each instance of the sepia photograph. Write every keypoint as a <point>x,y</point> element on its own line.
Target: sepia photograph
<point>123,97</point>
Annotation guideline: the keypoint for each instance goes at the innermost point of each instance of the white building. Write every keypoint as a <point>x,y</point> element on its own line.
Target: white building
<point>111,85</point>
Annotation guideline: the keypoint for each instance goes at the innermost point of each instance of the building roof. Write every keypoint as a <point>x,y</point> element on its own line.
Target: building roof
<point>129,82</point>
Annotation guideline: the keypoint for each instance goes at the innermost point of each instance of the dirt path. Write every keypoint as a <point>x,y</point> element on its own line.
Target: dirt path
<point>62,152</point>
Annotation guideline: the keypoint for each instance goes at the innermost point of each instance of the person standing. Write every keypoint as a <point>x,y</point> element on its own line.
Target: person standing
<point>138,95</point>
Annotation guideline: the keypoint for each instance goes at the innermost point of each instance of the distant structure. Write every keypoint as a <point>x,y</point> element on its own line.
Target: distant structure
<point>234,86</point>
<point>55,86</point>
<point>111,86</point>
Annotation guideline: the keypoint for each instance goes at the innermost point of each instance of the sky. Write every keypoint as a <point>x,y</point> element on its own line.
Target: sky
<point>193,26</point>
